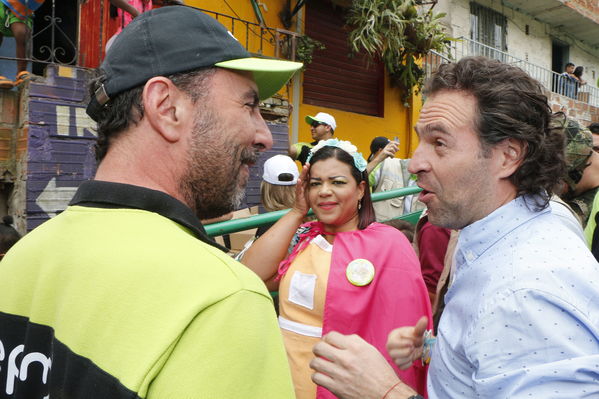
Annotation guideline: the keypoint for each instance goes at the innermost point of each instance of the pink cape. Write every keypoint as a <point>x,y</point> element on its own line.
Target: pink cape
<point>396,297</point>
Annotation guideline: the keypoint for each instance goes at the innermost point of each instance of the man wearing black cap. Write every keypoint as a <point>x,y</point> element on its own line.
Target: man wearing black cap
<point>123,295</point>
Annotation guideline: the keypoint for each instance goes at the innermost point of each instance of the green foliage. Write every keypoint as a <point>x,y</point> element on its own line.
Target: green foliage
<point>395,32</point>
<point>305,48</point>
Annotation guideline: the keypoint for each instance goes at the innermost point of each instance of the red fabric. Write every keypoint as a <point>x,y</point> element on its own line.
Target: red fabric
<point>396,297</point>
<point>432,246</point>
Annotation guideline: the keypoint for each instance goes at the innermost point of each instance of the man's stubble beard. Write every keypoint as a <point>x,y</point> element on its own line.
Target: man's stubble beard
<point>211,185</point>
<point>457,213</point>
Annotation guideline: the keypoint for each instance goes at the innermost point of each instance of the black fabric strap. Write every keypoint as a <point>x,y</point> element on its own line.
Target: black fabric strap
<point>102,194</point>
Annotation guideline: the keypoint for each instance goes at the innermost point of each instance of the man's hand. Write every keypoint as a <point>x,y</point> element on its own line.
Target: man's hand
<point>388,152</point>
<point>351,368</point>
<point>390,149</point>
<point>405,343</point>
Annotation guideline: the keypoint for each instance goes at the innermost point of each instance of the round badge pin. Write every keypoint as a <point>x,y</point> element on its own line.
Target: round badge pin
<point>360,272</point>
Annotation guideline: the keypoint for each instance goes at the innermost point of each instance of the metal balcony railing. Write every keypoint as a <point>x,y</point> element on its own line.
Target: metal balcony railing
<point>553,81</point>
<point>52,44</point>
<point>258,39</point>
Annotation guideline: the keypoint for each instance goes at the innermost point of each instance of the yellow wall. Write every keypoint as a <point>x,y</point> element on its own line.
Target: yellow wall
<point>359,129</point>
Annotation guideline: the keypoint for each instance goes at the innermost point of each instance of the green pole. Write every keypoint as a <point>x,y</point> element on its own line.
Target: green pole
<point>232,226</point>
<point>258,13</point>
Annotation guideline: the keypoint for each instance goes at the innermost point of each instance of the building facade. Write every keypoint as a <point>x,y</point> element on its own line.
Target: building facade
<point>540,36</point>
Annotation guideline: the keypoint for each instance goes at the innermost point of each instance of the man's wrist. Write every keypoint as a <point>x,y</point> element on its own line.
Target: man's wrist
<point>401,391</point>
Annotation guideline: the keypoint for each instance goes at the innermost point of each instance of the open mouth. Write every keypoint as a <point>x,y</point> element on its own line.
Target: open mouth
<point>425,195</point>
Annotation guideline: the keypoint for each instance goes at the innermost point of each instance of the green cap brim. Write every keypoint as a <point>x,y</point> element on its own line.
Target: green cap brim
<point>269,75</point>
<point>309,120</point>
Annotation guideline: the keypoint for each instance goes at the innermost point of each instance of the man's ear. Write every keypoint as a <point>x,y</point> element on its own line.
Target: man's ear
<point>164,106</point>
<point>512,153</point>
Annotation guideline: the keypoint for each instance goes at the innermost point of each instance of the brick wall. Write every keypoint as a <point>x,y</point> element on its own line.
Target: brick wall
<point>588,8</point>
<point>12,147</point>
<point>580,111</point>
<point>8,124</point>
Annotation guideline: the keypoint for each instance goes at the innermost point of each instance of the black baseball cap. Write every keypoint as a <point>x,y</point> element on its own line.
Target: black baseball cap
<point>177,39</point>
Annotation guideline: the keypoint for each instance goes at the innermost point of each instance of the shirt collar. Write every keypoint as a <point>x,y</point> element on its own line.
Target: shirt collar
<point>102,194</point>
<point>481,235</point>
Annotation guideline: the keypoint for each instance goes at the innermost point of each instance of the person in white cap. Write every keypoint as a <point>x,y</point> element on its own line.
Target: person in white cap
<point>322,127</point>
<point>277,190</point>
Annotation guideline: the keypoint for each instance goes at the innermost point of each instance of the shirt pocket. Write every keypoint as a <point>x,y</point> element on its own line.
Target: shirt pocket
<point>388,184</point>
<point>301,289</point>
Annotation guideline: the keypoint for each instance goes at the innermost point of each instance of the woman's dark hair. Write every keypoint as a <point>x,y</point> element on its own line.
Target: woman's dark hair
<point>578,71</point>
<point>8,235</point>
<point>126,108</point>
<point>510,104</point>
<point>366,211</point>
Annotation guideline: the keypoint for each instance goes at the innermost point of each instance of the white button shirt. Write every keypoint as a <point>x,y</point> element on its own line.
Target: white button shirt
<point>522,315</point>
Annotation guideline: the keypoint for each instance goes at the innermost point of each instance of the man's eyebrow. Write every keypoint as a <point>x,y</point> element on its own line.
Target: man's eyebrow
<point>315,178</point>
<point>432,127</point>
<point>251,95</point>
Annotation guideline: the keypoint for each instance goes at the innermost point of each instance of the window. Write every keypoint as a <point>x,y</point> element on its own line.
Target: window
<point>55,34</point>
<point>332,79</point>
<point>488,29</point>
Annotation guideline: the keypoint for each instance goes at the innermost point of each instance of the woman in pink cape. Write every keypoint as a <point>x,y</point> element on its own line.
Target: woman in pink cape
<point>342,273</point>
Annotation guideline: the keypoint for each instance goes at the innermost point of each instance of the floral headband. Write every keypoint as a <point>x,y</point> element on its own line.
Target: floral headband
<point>359,161</point>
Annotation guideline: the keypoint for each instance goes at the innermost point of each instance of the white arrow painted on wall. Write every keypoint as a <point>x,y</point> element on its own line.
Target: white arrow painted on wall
<point>54,198</point>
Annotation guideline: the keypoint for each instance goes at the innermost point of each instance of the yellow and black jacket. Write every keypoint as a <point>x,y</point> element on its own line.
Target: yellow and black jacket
<point>124,296</point>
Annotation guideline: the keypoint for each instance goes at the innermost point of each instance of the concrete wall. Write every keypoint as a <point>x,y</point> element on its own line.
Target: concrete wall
<point>534,47</point>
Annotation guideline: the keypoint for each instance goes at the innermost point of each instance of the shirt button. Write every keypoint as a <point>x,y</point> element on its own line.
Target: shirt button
<point>469,256</point>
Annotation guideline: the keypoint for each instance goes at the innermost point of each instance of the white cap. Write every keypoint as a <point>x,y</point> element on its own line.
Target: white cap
<point>322,117</point>
<point>280,170</point>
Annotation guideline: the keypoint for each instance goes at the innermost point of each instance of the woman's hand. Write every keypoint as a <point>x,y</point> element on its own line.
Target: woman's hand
<point>301,205</point>
<point>265,254</point>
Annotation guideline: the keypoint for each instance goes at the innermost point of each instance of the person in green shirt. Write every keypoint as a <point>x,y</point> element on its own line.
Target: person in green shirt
<point>123,295</point>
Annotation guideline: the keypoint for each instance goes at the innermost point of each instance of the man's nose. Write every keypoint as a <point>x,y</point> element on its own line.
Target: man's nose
<point>418,162</point>
<point>263,137</point>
